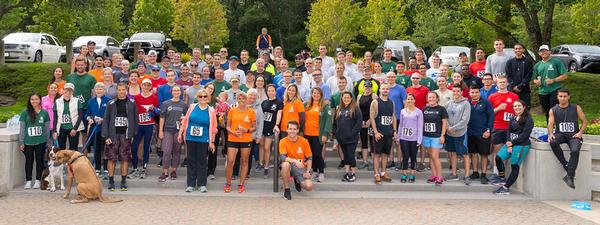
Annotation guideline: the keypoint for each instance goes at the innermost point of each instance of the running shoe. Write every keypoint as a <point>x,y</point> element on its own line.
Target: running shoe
<point>467,180</point>
<point>451,178</point>
<point>390,165</point>
<point>227,188</point>
<point>287,194</point>
<point>403,178</point>
<point>420,167</point>
<point>377,179</point>
<point>203,189</point>
<point>346,177</point>
<point>385,177</point>
<point>98,173</point>
<point>133,173</point>
<point>143,174</point>
<point>397,168</point>
<point>36,184</point>
<point>265,173</point>
<point>173,175</point>
<point>184,163</point>
<point>502,191</point>
<point>341,165</point>
<point>411,178</point>
<point>241,188</point>
<point>258,168</point>
<point>569,181</point>
<point>439,180</point>
<point>189,189</point>
<point>123,186</point>
<point>211,177</point>
<point>321,178</point>
<point>474,176</point>
<point>111,186</point>
<point>105,175</point>
<point>163,177</point>
<point>484,180</point>
<point>297,186</point>
<point>363,165</point>
<point>431,179</point>
<point>497,180</point>
<point>352,177</point>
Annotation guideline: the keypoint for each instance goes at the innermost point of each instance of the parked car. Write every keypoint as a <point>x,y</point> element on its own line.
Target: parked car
<point>149,41</point>
<point>397,47</point>
<point>578,57</point>
<point>449,54</point>
<point>33,47</point>
<point>105,45</point>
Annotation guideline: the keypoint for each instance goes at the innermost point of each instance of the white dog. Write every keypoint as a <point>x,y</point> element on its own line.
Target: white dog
<point>54,172</point>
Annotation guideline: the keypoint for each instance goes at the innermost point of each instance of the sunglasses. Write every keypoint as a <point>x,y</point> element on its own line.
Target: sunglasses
<point>193,65</point>
<point>156,70</point>
<point>203,96</point>
<point>415,78</point>
<point>223,51</point>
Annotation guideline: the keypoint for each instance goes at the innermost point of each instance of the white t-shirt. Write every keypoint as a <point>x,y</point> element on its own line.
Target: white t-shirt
<point>333,84</point>
<point>433,73</point>
<point>445,96</point>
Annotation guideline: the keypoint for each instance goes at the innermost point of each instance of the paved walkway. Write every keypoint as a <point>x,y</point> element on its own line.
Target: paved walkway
<point>46,208</point>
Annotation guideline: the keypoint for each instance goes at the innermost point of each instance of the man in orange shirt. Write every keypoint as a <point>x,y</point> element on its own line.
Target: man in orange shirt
<point>296,158</point>
<point>99,66</point>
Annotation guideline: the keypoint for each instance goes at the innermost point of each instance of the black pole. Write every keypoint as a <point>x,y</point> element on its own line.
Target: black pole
<point>275,154</point>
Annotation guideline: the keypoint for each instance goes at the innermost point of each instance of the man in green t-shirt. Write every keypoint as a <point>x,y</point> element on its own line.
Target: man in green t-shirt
<point>548,74</point>
<point>401,77</point>
<point>221,84</point>
<point>335,98</point>
<point>83,81</point>
<point>387,65</point>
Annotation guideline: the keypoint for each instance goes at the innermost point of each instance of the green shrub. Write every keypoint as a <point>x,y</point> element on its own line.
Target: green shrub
<point>19,80</point>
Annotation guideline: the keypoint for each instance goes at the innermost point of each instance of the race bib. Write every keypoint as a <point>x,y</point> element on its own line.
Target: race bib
<point>178,124</point>
<point>430,127</point>
<point>144,117</point>
<point>196,131</point>
<point>407,131</point>
<point>121,121</point>
<point>268,116</point>
<point>34,131</point>
<point>370,131</point>
<point>507,116</point>
<point>81,99</point>
<point>513,136</point>
<point>386,120</point>
<point>566,127</point>
<point>66,118</point>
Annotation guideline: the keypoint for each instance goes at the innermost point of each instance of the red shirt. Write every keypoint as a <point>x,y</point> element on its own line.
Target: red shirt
<point>420,94</point>
<point>410,72</point>
<point>157,83</point>
<point>146,117</point>
<point>502,117</point>
<point>477,68</point>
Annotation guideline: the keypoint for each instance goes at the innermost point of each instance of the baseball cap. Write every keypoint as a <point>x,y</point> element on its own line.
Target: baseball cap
<point>141,50</point>
<point>91,43</point>
<point>166,57</point>
<point>146,80</point>
<point>299,56</point>
<point>155,67</point>
<point>544,47</point>
<point>368,84</point>
<point>233,57</point>
<point>462,54</point>
<point>152,52</point>
<point>70,86</point>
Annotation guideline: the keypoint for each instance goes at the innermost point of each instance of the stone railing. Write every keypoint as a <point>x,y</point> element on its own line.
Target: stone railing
<point>12,161</point>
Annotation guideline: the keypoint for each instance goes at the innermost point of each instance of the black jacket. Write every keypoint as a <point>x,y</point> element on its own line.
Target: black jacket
<point>346,129</point>
<point>519,134</point>
<point>518,72</point>
<point>108,126</point>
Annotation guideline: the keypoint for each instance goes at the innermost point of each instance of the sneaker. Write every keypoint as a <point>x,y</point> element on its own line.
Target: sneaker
<point>397,168</point>
<point>111,186</point>
<point>163,177</point>
<point>403,178</point>
<point>265,173</point>
<point>484,180</point>
<point>203,189</point>
<point>567,179</point>
<point>211,177</point>
<point>371,167</point>
<point>566,167</point>
<point>451,178</point>
<point>36,184</point>
<point>352,177</point>
<point>474,176</point>
<point>287,194</point>
<point>411,178</point>
<point>363,165</point>
<point>227,188</point>
<point>467,180</point>
<point>133,173</point>
<point>439,180</point>
<point>420,167</point>
<point>159,165</point>
<point>27,185</point>
<point>341,165</point>
<point>431,179</point>
<point>189,189</point>
<point>385,177</point>
<point>258,168</point>
<point>184,163</point>
<point>235,177</point>
<point>105,175</point>
<point>346,177</point>
<point>497,180</point>
<point>98,173</point>
<point>173,175</point>
<point>377,179</point>
<point>502,191</point>
<point>241,188</point>
<point>390,165</point>
<point>321,178</point>
<point>143,174</point>
<point>297,186</point>
<point>123,186</point>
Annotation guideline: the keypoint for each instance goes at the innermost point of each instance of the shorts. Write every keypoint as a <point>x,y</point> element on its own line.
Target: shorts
<point>432,142</point>
<point>499,136</point>
<point>119,149</point>
<point>456,144</point>
<point>297,173</point>
<point>517,156</point>
<point>384,145</point>
<point>478,145</point>
<point>239,145</point>
<point>268,133</point>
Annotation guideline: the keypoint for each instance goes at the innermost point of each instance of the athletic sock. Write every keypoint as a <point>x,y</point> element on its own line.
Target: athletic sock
<point>111,179</point>
<point>123,178</point>
<point>482,174</point>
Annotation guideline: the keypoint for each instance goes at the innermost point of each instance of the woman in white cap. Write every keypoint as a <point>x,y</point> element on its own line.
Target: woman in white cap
<point>68,113</point>
<point>147,108</point>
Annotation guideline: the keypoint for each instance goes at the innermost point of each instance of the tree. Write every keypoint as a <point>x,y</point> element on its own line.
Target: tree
<point>15,14</point>
<point>334,23</point>
<point>385,20</point>
<point>58,18</point>
<point>434,27</point>
<point>152,15</point>
<point>200,22</point>
<point>585,19</point>
<point>106,20</point>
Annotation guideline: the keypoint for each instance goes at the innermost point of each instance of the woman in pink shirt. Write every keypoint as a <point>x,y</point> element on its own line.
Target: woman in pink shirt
<point>48,102</point>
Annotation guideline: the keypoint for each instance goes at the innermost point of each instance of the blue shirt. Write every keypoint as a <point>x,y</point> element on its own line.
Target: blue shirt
<point>280,93</point>
<point>485,94</point>
<point>482,117</point>
<point>326,91</point>
<point>204,82</point>
<point>164,93</point>
<point>197,127</point>
<point>398,95</point>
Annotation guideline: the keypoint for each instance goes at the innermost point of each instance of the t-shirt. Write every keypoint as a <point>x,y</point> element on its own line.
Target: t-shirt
<point>429,83</point>
<point>121,119</point>
<point>389,66</point>
<point>420,94</point>
<point>311,127</point>
<point>121,77</point>
<point>502,117</point>
<point>97,73</point>
<point>157,83</point>
<point>35,133</point>
<point>220,87</point>
<point>299,149</point>
<point>172,112</point>
<point>198,125</point>
<point>403,80</point>
<point>432,120</point>
<point>291,112</point>
<point>184,84</point>
<point>496,63</point>
<point>164,93</point>
<point>191,92</point>
<point>145,116</point>
<point>243,119</point>
<point>235,73</point>
<point>444,96</point>
<point>477,68</point>
<point>84,84</point>
<point>270,109</point>
<point>397,95</point>
<point>550,69</point>
<point>335,100</point>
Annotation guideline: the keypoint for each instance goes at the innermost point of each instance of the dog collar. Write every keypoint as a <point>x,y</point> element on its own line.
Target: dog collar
<point>70,164</point>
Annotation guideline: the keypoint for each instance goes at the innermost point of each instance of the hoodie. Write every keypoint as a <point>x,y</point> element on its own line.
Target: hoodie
<point>459,113</point>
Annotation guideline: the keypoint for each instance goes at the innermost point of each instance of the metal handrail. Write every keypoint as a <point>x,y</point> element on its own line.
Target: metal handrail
<point>275,154</point>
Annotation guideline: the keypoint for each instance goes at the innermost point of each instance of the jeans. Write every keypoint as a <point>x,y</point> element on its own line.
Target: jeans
<point>574,146</point>
<point>197,163</point>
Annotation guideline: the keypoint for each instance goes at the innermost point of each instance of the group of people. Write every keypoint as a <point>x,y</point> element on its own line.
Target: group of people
<point>219,101</point>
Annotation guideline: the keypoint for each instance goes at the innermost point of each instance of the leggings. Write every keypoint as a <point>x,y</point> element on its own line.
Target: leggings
<point>364,138</point>
<point>409,151</point>
<point>98,149</point>
<point>349,150</point>
<point>144,131</point>
<point>318,165</point>
<point>34,152</point>
<point>221,137</point>
<point>63,135</point>
<point>171,150</point>
<point>514,173</point>
<point>197,164</point>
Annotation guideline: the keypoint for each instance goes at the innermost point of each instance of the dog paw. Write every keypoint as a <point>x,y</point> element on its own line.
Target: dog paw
<point>66,196</point>
<point>52,189</point>
<point>62,188</point>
